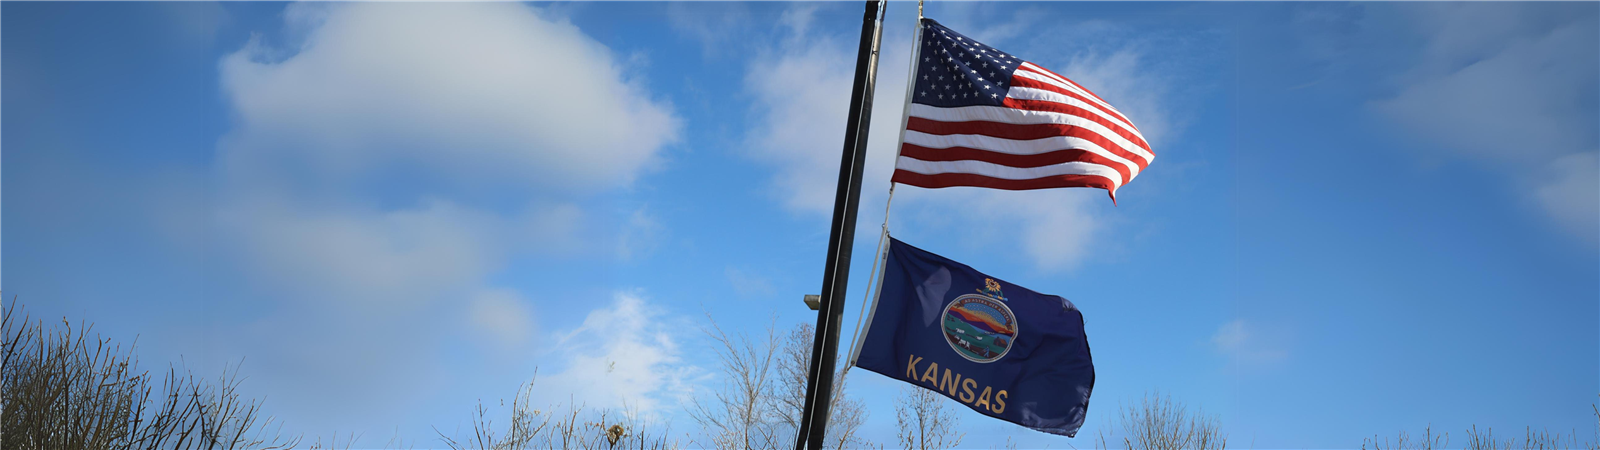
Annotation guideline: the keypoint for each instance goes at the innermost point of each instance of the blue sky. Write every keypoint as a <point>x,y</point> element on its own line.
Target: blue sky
<point>1364,218</point>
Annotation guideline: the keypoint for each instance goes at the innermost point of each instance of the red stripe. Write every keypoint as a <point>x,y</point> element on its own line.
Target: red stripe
<point>1050,158</point>
<point>944,180</point>
<point>1049,106</point>
<point>1024,132</point>
<point>1010,160</point>
<point>1079,86</point>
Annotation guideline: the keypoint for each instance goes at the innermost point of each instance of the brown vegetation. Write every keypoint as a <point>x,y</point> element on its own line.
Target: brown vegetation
<point>64,389</point>
<point>763,391</point>
<point>1158,423</point>
<point>569,429</point>
<point>925,420</point>
<point>1484,439</point>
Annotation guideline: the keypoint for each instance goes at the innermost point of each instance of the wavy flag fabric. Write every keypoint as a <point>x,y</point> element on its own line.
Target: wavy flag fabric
<point>1001,349</point>
<point>981,117</point>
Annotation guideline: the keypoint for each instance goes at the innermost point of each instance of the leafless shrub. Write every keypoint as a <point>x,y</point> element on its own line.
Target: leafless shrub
<point>1158,423</point>
<point>925,420</point>
<point>763,393</point>
<point>1485,439</point>
<point>845,415</point>
<point>1009,445</point>
<point>571,428</point>
<point>1531,440</point>
<point>736,415</point>
<point>1594,444</point>
<point>63,389</point>
<point>1404,441</point>
<point>349,441</point>
<point>788,399</point>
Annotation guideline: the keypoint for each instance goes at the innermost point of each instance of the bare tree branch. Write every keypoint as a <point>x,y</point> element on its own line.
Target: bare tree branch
<point>1158,423</point>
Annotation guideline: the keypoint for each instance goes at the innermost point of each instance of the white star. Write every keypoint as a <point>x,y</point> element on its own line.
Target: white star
<point>994,95</point>
<point>958,38</point>
<point>924,93</point>
<point>947,86</point>
<point>926,59</point>
<point>941,77</point>
<point>991,74</point>
<point>924,77</point>
<point>985,86</point>
<point>941,96</point>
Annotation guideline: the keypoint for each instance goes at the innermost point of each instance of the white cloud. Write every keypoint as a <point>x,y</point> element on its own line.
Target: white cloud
<point>1230,336</point>
<point>718,26</point>
<point>395,257</point>
<point>803,96</point>
<point>1056,228</point>
<point>467,93</point>
<point>1572,194</point>
<point>1246,343</point>
<point>353,165</point>
<point>1513,86</point>
<point>641,233</point>
<point>197,21</point>
<point>748,284</point>
<point>802,87</point>
<point>387,164</point>
<point>623,356</point>
<point>504,316</point>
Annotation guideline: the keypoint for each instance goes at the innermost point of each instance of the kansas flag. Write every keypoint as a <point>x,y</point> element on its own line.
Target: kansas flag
<point>998,348</point>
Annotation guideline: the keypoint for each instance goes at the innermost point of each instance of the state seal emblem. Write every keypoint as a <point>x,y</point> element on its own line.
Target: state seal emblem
<point>980,326</point>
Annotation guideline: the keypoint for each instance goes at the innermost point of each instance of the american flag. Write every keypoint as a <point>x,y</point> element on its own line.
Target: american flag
<point>982,117</point>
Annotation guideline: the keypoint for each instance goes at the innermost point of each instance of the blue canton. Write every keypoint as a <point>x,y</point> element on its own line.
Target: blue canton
<point>954,70</point>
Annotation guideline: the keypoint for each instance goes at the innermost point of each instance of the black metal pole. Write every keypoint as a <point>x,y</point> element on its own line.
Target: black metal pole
<point>836,274</point>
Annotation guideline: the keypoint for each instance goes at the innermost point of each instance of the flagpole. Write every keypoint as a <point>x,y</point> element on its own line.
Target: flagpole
<point>841,239</point>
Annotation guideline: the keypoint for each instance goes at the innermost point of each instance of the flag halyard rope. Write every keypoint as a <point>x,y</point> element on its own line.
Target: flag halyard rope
<point>878,260</point>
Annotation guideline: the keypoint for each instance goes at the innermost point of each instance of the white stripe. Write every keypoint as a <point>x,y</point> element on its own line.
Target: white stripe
<point>1016,147</point>
<point>1043,75</point>
<point>1022,93</point>
<point>1003,114</point>
<point>910,164</point>
<point>1100,108</point>
<point>1032,68</point>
